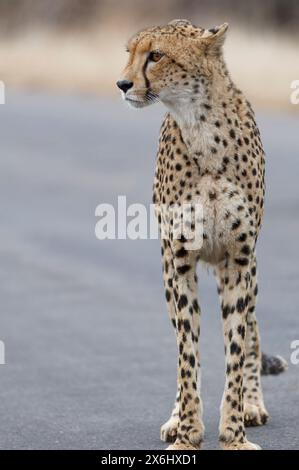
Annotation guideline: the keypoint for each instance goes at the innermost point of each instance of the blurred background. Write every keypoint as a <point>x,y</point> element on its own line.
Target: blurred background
<point>90,352</point>
<point>78,45</point>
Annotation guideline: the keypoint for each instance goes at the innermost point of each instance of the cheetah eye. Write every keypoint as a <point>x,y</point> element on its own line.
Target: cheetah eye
<point>155,56</point>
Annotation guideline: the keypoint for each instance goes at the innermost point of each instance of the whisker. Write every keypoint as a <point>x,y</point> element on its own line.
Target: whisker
<point>151,97</point>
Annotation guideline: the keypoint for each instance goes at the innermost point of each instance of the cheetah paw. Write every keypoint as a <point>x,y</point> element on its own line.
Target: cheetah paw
<point>240,446</point>
<point>181,446</point>
<point>255,415</point>
<point>169,429</point>
<point>189,439</point>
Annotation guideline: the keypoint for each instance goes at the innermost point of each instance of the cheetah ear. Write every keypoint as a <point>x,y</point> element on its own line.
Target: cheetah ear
<point>215,37</point>
<point>180,23</point>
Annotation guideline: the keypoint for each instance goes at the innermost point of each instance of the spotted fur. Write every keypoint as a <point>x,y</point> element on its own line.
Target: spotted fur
<point>210,151</point>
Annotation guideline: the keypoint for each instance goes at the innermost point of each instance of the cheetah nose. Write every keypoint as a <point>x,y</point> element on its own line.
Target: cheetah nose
<point>124,85</point>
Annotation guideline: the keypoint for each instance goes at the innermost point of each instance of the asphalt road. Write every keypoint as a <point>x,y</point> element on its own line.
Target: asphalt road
<point>90,353</point>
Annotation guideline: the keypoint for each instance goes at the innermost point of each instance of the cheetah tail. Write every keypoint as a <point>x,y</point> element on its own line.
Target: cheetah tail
<point>273,365</point>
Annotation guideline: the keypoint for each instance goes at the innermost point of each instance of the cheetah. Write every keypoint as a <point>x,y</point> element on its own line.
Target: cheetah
<point>210,152</point>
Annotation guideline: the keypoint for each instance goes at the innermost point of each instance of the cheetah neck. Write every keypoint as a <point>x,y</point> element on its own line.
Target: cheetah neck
<point>198,113</point>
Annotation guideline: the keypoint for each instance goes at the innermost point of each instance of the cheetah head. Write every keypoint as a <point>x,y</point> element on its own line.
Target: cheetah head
<point>168,63</point>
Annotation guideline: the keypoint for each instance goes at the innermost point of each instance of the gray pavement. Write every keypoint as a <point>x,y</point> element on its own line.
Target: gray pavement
<point>90,353</point>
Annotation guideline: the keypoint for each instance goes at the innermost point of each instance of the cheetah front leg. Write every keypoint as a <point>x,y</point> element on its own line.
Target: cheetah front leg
<point>170,428</point>
<point>234,288</point>
<point>254,409</point>
<point>190,427</point>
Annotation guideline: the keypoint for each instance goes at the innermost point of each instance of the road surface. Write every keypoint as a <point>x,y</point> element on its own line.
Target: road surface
<point>90,353</point>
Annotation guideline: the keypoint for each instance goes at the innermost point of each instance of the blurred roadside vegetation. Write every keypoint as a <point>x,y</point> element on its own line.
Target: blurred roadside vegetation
<point>78,45</point>
<point>281,14</point>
